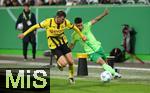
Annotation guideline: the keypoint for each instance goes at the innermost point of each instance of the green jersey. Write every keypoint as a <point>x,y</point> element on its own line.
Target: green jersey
<point>91,45</point>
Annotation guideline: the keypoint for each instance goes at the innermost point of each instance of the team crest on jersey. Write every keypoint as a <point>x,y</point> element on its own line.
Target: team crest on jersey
<point>63,26</point>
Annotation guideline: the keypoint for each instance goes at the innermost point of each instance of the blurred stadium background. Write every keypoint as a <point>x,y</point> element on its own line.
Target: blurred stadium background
<point>136,13</point>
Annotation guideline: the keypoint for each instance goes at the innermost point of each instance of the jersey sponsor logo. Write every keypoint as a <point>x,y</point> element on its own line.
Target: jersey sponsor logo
<point>55,31</point>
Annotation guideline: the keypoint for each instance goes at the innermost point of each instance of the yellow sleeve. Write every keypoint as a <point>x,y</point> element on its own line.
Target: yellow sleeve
<point>72,26</point>
<point>68,24</point>
<point>44,23</point>
<point>33,28</point>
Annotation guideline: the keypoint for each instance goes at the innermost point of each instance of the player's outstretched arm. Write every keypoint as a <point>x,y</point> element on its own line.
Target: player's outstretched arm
<point>106,11</point>
<point>31,29</point>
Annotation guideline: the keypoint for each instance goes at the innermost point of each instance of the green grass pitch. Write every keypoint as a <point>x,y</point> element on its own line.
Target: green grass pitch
<point>96,86</point>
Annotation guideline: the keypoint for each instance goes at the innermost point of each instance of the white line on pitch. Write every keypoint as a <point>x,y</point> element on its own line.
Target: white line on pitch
<point>121,68</point>
<point>23,63</point>
<point>11,15</point>
<point>89,66</point>
<point>67,10</point>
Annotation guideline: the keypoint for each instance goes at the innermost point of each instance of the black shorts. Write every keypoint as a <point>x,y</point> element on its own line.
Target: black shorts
<point>61,50</point>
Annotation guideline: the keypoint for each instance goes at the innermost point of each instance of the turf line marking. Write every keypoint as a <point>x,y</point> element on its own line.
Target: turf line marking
<point>133,68</point>
<point>38,30</point>
<point>124,68</point>
<point>11,15</point>
<point>89,66</point>
<point>67,10</point>
<point>121,68</point>
<point>23,63</point>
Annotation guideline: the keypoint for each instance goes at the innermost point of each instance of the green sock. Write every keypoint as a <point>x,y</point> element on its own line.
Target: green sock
<point>108,68</point>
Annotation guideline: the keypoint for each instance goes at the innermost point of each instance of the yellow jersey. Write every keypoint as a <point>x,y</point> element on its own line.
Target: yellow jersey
<point>55,32</point>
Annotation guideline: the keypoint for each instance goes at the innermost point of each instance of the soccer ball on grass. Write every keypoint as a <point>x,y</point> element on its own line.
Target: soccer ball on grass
<point>106,76</point>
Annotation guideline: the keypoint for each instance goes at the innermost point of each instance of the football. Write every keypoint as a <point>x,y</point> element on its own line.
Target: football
<point>20,26</point>
<point>106,76</point>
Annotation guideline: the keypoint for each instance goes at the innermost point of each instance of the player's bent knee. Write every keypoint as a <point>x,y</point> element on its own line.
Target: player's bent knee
<point>63,64</point>
<point>62,61</point>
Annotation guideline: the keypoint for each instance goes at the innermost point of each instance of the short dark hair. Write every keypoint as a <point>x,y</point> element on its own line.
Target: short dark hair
<point>60,13</point>
<point>26,4</point>
<point>78,20</point>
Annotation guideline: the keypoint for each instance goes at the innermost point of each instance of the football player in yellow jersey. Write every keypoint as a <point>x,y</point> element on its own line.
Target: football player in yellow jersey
<point>57,40</point>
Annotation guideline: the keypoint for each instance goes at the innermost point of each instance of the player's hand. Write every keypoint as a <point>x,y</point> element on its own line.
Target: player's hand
<point>106,11</point>
<point>84,38</point>
<point>21,36</point>
<point>71,46</point>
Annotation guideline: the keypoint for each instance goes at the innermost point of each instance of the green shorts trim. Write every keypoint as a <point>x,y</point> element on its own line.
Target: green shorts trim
<point>96,55</point>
